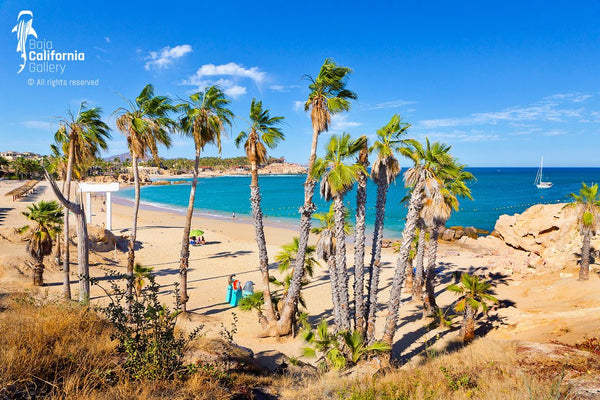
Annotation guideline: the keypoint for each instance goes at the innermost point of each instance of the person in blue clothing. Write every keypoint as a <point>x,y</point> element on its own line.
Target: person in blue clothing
<point>234,291</point>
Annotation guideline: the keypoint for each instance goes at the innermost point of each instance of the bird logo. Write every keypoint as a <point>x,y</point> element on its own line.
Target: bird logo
<point>23,29</point>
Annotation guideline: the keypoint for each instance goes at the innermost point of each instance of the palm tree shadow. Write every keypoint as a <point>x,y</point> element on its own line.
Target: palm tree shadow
<point>232,254</point>
<point>4,212</point>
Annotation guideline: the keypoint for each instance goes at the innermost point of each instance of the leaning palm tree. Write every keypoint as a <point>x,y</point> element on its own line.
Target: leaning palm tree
<point>81,137</point>
<point>328,96</point>
<point>587,206</point>
<point>264,132</point>
<point>48,218</point>
<point>337,178</point>
<point>359,239</point>
<point>204,118</point>
<point>384,171</point>
<point>326,250</point>
<point>422,178</point>
<point>435,214</point>
<point>474,295</point>
<point>145,124</point>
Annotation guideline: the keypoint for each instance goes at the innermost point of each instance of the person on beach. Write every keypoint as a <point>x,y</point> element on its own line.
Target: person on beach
<point>233,215</point>
<point>202,241</point>
<point>234,291</point>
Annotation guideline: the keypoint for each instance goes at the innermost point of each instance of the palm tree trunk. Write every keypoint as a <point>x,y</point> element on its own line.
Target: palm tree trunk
<point>340,261</point>
<point>417,292</point>
<point>67,191</point>
<point>334,292</point>
<point>429,304</point>
<point>374,268</point>
<point>409,278</point>
<point>136,206</point>
<point>38,274</point>
<point>359,253</point>
<point>184,261</point>
<point>467,329</point>
<point>284,326</point>
<point>261,241</point>
<point>407,237</point>
<point>82,240</point>
<point>584,269</point>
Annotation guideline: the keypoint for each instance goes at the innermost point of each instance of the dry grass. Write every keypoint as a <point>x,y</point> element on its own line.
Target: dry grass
<point>63,351</point>
<point>486,369</point>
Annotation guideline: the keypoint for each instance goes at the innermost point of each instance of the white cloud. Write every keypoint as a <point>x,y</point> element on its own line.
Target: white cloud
<point>340,122</point>
<point>230,76</point>
<point>107,39</point>
<point>45,125</point>
<point>298,105</point>
<point>392,104</point>
<point>165,56</point>
<point>231,69</point>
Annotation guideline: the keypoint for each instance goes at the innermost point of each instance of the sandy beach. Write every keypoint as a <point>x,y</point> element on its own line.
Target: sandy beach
<point>540,307</point>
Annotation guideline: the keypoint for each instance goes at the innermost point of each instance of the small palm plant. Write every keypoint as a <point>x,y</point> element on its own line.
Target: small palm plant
<point>255,301</point>
<point>48,218</point>
<point>587,206</point>
<point>338,350</point>
<point>140,275</point>
<point>474,294</point>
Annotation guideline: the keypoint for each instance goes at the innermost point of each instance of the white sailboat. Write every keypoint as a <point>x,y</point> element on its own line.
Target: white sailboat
<point>538,178</point>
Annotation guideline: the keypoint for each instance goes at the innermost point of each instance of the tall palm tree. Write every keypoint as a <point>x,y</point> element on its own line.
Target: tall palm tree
<point>48,218</point>
<point>337,178</point>
<point>419,270</point>
<point>474,295</point>
<point>587,206</point>
<point>264,132</point>
<point>422,178</point>
<point>145,124</point>
<point>81,137</point>
<point>359,239</point>
<point>384,171</point>
<point>328,96</point>
<point>435,214</point>
<point>326,250</point>
<point>204,118</point>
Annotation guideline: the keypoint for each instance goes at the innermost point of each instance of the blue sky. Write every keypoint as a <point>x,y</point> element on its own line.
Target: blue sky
<point>502,82</point>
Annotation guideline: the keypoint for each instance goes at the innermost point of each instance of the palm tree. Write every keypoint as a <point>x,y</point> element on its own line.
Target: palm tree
<point>145,124</point>
<point>81,137</point>
<point>587,206</point>
<point>263,133</point>
<point>48,217</point>
<point>474,295</point>
<point>417,289</point>
<point>205,117</point>
<point>337,178</point>
<point>326,250</point>
<point>421,177</point>
<point>435,214</point>
<point>384,171</point>
<point>359,240</point>
<point>140,274</point>
<point>328,95</point>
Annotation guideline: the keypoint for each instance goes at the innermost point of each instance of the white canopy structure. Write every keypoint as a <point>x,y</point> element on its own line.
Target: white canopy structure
<point>107,188</point>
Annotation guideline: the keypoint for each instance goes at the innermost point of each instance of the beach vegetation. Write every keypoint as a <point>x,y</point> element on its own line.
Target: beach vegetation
<point>328,96</point>
<point>79,139</point>
<point>390,139</point>
<point>146,123</point>
<point>264,132</point>
<point>204,118</point>
<point>586,204</point>
<point>474,294</point>
<point>47,216</point>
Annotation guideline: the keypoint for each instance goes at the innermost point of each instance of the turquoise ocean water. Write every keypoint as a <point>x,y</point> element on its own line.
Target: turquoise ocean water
<point>497,191</point>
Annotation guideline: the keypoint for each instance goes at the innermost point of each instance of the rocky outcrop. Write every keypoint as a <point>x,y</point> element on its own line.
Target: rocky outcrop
<point>221,354</point>
<point>128,178</point>
<point>456,232</point>
<point>101,240</point>
<point>101,179</point>
<point>545,236</point>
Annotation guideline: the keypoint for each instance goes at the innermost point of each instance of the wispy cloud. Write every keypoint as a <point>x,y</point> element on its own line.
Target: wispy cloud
<point>164,57</point>
<point>107,39</point>
<point>392,104</point>
<point>298,105</point>
<point>555,108</point>
<point>463,136</point>
<point>44,125</point>
<point>283,88</point>
<point>340,123</point>
<point>231,76</point>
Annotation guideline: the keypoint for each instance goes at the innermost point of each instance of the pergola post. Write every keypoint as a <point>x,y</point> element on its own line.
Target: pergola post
<point>88,214</point>
<point>107,189</point>
<point>108,212</point>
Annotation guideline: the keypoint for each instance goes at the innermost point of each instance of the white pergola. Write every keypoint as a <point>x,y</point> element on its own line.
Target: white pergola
<point>107,188</point>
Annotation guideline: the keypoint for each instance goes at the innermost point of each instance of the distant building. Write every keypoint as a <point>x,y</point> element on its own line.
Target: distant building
<point>13,155</point>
